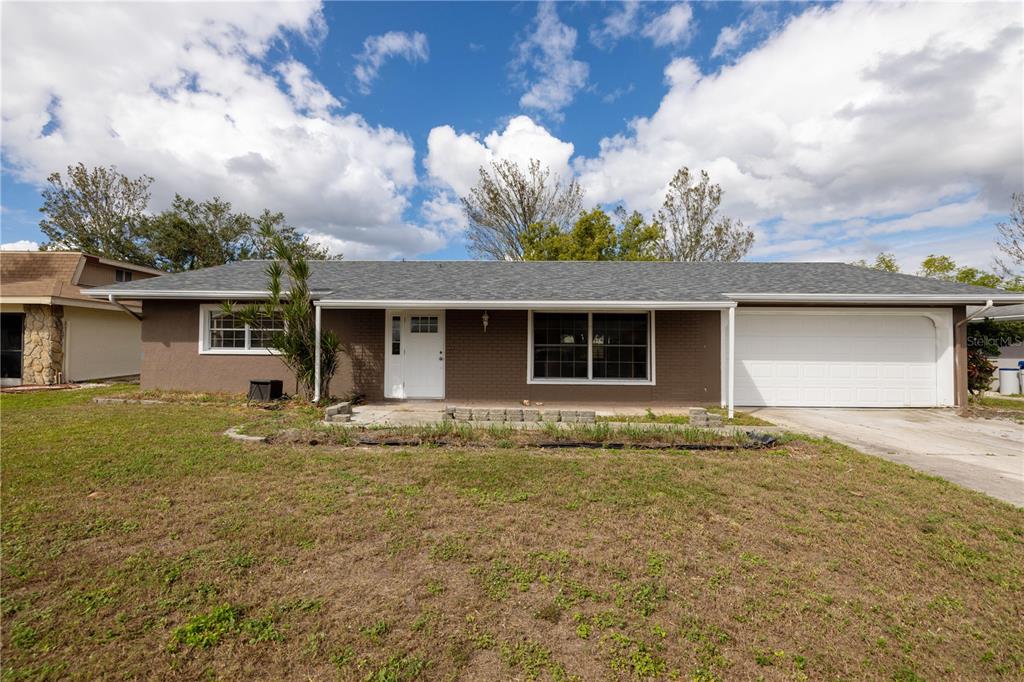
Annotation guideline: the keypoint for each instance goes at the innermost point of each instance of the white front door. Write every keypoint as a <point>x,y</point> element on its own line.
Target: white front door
<point>414,354</point>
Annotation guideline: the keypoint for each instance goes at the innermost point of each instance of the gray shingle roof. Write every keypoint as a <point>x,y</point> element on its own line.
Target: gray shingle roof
<point>560,281</point>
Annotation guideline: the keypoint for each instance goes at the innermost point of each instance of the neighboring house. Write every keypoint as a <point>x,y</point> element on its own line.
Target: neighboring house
<point>51,332</point>
<point>1010,354</point>
<point>802,334</point>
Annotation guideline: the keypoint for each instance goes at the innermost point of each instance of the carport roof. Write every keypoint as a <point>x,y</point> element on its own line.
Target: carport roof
<point>497,282</point>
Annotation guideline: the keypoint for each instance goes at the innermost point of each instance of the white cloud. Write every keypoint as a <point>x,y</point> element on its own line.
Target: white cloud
<point>308,94</point>
<point>454,159</point>
<point>617,25</point>
<point>730,38</point>
<point>847,116</point>
<point>672,27</point>
<point>545,65</point>
<point>193,105</point>
<point>378,49</point>
<point>20,245</point>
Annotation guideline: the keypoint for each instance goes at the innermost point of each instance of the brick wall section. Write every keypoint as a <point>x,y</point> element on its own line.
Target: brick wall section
<point>171,358</point>
<point>491,365</point>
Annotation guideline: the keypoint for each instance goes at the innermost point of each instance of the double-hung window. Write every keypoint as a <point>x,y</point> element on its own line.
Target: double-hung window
<point>227,333</point>
<point>583,347</point>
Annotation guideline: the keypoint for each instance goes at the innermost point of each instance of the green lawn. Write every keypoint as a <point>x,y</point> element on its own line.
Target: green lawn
<point>138,542</point>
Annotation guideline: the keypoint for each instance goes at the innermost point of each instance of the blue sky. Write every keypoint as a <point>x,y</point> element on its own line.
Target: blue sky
<point>836,130</point>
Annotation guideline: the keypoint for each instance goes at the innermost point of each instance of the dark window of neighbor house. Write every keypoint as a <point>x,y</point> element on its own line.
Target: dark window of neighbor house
<point>122,275</point>
<point>560,345</point>
<point>619,346</point>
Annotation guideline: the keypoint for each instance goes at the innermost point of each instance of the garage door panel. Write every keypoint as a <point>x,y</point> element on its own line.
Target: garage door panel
<point>793,359</point>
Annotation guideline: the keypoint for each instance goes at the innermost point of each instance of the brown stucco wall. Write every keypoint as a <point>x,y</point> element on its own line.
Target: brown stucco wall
<point>171,358</point>
<point>491,365</point>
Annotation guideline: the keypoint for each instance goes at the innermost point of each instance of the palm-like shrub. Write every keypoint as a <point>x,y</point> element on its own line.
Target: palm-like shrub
<point>290,298</point>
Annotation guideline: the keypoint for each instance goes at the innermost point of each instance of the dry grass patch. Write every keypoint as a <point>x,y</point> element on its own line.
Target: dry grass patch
<point>138,542</point>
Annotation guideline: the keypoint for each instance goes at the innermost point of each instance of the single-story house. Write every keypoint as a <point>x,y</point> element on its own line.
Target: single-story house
<point>51,332</point>
<point>799,334</point>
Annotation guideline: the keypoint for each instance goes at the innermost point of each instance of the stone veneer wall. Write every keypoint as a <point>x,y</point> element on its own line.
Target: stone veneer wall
<point>43,358</point>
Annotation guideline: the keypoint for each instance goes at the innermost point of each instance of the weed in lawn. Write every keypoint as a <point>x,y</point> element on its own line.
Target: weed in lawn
<point>531,658</point>
<point>23,636</point>
<point>635,657</point>
<point>450,548</point>
<point>261,630</point>
<point>643,596</point>
<point>207,630</point>
<point>498,578</point>
<point>398,668</point>
<point>552,613</point>
<point>435,587</point>
<point>377,631</point>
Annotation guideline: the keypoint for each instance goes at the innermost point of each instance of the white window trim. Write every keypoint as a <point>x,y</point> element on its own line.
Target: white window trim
<point>590,381</point>
<point>204,340</point>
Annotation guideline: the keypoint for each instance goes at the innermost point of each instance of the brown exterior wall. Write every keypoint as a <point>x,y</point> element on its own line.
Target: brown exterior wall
<point>959,356</point>
<point>171,358</point>
<point>492,365</point>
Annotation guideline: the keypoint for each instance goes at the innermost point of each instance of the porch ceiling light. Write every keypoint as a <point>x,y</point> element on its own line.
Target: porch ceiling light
<point>484,318</point>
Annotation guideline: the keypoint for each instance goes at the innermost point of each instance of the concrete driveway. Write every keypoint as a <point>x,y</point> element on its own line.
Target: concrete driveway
<point>983,454</point>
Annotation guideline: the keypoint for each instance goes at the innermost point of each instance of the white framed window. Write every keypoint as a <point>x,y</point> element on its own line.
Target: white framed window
<point>221,333</point>
<point>582,347</point>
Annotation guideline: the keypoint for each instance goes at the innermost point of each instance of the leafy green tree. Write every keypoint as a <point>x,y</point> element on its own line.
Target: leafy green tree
<point>191,235</point>
<point>290,297</point>
<point>946,269</point>
<point>96,210</point>
<point>594,236</point>
<point>508,199</point>
<point>693,228</point>
<point>985,338</point>
<point>886,262</point>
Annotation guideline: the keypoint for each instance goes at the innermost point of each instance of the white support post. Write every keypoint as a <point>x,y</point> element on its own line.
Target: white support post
<point>732,360</point>
<point>316,356</point>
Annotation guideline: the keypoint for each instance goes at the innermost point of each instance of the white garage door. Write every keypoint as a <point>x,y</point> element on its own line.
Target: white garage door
<point>835,360</point>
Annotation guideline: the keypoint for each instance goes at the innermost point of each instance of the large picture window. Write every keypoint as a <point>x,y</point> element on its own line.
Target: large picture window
<point>580,347</point>
<point>227,333</point>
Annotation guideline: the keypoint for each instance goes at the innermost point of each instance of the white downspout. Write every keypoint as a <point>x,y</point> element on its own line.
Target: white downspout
<point>316,355</point>
<point>732,362</point>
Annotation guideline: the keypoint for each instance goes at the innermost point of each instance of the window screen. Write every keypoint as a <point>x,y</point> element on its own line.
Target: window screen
<point>560,345</point>
<point>620,346</point>
<point>266,328</point>
<point>226,331</point>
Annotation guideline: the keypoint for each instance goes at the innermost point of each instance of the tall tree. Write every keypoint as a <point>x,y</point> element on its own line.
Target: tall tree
<point>886,262</point>
<point>1011,238</point>
<point>191,235</point>
<point>96,210</point>
<point>594,236</point>
<point>694,231</point>
<point>507,200</point>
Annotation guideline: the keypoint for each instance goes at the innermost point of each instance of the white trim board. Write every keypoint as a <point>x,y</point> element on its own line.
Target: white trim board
<point>566,306</point>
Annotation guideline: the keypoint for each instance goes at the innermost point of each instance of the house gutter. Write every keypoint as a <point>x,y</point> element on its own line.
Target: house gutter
<point>113,301</point>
